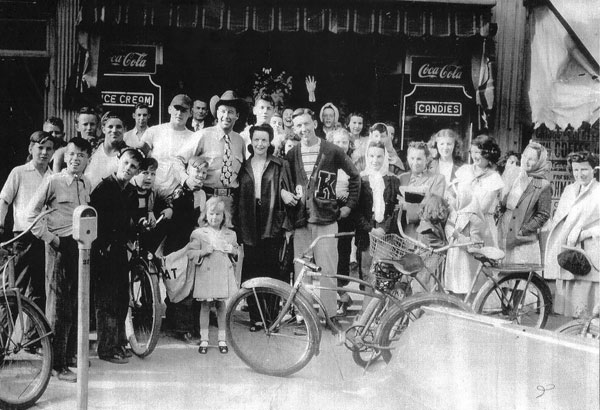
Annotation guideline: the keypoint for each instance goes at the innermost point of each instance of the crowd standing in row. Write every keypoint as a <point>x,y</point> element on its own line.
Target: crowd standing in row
<point>230,202</point>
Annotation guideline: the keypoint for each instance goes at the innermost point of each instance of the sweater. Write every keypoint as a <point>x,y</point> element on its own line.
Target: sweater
<point>318,204</point>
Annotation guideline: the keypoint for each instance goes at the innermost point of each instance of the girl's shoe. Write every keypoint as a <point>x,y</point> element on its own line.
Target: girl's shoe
<point>203,349</point>
<point>223,347</point>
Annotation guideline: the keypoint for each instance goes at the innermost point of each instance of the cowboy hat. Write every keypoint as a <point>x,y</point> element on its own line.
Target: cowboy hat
<point>228,98</point>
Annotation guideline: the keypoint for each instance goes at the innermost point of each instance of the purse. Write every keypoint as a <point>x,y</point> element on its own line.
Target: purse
<point>574,260</point>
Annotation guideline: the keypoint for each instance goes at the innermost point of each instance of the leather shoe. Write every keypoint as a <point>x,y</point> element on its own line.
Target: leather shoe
<point>125,352</point>
<point>203,349</point>
<point>223,347</point>
<point>116,358</point>
<point>65,375</point>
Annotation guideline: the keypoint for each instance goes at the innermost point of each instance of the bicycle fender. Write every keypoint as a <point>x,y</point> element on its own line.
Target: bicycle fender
<point>284,287</point>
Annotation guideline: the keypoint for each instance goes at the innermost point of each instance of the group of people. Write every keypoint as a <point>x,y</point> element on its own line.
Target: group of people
<point>230,201</point>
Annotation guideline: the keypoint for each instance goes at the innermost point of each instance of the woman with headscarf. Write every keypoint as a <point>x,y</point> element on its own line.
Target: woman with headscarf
<point>525,206</point>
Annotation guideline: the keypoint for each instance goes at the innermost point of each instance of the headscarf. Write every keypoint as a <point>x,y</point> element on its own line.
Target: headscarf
<point>517,179</point>
<point>336,112</point>
<point>543,166</point>
<point>377,184</point>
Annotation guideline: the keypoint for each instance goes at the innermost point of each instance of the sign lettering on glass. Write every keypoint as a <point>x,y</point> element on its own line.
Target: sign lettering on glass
<point>438,108</point>
<point>427,70</point>
<point>126,99</point>
<point>128,59</point>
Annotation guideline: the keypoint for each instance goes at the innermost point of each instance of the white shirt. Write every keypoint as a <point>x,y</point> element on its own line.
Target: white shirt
<point>101,165</point>
<point>133,137</point>
<point>21,184</point>
<point>172,149</point>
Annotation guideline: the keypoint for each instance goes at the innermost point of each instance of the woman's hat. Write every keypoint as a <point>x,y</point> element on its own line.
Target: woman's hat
<point>228,98</point>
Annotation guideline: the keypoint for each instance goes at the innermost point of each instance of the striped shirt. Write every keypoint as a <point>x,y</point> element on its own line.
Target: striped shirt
<point>309,157</point>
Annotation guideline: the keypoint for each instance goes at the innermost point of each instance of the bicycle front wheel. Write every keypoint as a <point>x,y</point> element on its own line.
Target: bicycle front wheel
<point>144,317</point>
<point>514,299</point>
<point>282,351</point>
<point>362,333</point>
<point>395,321</point>
<point>581,328</point>
<point>25,353</point>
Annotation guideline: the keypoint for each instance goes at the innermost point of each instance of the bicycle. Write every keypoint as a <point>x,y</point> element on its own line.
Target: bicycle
<point>292,332</point>
<point>587,326</point>
<point>514,292</point>
<point>25,338</point>
<point>144,317</point>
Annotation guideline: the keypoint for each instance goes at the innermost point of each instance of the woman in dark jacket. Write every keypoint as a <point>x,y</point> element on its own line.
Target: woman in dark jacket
<point>262,213</point>
<point>525,206</point>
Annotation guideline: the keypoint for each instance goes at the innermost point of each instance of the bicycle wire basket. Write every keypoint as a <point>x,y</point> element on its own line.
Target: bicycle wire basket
<point>390,246</point>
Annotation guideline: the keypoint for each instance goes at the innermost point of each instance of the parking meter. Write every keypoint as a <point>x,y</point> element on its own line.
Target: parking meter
<point>85,231</point>
<point>85,226</point>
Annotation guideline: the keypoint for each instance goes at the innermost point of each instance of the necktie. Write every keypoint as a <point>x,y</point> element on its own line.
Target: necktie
<point>197,127</point>
<point>226,171</point>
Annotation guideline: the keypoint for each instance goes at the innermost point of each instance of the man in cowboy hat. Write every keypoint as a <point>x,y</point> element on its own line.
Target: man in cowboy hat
<point>224,148</point>
<point>172,145</point>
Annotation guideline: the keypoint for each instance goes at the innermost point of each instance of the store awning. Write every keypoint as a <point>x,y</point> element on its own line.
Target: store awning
<point>581,18</point>
<point>439,18</point>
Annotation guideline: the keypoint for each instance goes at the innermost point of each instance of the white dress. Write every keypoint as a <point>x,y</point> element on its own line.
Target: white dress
<point>486,189</point>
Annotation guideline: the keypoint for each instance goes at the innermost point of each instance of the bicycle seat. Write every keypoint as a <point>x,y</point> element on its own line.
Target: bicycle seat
<point>408,264</point>
<point>487,254</point>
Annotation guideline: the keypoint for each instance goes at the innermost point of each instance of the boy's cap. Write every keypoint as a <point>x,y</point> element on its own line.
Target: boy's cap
<point>181,100</point>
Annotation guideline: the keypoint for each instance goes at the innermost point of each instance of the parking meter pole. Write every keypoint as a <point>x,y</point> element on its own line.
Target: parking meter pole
<point>85,230</point>
<point>83,328</point>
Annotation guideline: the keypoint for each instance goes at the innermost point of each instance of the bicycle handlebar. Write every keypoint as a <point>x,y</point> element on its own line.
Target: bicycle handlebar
<point>329,235</point>
<point>26,231</point>
<point>436,250</point>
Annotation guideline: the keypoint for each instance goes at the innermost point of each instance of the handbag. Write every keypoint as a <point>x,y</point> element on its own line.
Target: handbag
<point>574,260</point>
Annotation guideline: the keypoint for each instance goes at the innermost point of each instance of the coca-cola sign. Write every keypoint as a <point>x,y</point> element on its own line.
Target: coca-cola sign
<point>428,70</point>
<point>129,59</point>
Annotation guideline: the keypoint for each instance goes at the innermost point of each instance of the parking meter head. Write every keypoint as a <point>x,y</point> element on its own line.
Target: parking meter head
<point>85,225</point>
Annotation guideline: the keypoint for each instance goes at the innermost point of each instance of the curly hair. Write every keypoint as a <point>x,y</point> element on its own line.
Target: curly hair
<point>420,145</point>
<point>489,148</point>
<point>448,133</point>
<point>581,156</point>
<point>434,209</point>
<point>365,129</point>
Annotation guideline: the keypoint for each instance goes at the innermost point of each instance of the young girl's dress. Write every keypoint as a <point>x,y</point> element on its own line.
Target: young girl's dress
<point>214,274</point>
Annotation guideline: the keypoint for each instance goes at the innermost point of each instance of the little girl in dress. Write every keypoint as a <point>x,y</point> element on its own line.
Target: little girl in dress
<point>213,251</point>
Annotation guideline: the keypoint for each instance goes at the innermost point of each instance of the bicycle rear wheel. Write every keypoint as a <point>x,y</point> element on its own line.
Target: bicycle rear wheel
<point>398,318</point>
<point>581,328</point>
<point>25,354</point>
<point>527,304</point>
<point>144,317</point>
<point>283,351</point>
